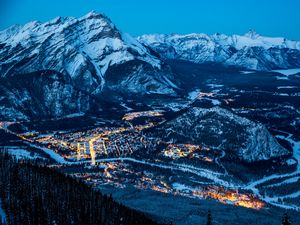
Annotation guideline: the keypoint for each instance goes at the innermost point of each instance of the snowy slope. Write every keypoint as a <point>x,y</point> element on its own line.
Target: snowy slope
<point>250,51</point>
<point>76,42</point>
<point>82,58</point>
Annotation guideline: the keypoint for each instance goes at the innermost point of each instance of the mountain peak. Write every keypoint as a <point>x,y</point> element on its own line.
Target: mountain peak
<point>74,44</point>
<point>89,53</point>
<point>252,34</point>
<point>94,15</point>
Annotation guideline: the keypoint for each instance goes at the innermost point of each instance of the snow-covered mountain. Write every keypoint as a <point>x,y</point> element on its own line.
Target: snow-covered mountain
<point>250,51</point>
<point>238,137</point>
<point>92,57</point>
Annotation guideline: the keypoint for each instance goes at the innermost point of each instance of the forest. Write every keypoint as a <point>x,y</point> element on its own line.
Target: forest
<point>33,194</point>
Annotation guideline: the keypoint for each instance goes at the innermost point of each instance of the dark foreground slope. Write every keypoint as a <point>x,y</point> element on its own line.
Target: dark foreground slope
<point>33,194</point>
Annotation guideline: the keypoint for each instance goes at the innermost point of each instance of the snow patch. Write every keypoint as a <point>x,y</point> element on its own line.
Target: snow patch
<point>247,72</point>
<point>194,94</point>
<point>215,102</point>
<point>288,72</point>
<point>215,85</point>
<point>291,162</point>
<point>181,187</point>
<point>286,87</point>
<point>281,78</point>
<point>20,153</point>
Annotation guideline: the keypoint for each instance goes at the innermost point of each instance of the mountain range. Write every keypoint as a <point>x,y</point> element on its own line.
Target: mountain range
<point>197,116</point>
<point>250,51</point>
<point>77,65</point>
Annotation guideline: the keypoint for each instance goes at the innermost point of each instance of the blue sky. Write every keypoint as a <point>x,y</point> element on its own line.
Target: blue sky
<point>267,17</point>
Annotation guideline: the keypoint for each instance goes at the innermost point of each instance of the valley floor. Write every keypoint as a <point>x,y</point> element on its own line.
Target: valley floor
<point>179,182</point>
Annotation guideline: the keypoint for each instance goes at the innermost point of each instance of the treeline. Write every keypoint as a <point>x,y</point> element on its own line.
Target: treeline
<point>33,194</point>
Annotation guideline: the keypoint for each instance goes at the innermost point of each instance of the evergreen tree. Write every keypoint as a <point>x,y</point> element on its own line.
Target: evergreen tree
<point>286,219</point>
<point>209,218</point>
<point>33,194</point>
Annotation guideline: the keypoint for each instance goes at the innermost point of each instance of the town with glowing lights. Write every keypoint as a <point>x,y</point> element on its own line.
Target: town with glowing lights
<point>149,112</point>
<point>111,156</point>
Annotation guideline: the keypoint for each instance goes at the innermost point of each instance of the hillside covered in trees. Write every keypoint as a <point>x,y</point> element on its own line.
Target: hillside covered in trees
<point>33,194</point>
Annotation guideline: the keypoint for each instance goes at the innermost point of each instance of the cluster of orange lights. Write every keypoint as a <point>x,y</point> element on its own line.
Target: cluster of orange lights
<point>231,197</point>
<point>160,189</point>
<point>176,151</point>
<point>134,115</point>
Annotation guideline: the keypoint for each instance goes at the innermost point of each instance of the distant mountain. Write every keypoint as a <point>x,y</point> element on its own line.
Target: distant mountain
<point>61,66</point>
<point>238,137</point>
<point>251,51</point>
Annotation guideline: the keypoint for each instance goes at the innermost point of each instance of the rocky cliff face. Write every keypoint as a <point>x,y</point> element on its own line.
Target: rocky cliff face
<point>250,51</point>
<point>219,128</point>
<point>41,94</point>
<point>90,52</point>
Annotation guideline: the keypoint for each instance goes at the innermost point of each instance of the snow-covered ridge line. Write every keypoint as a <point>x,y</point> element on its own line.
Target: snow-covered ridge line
<point>250,51</point>
<point>250,39</point>
<point>75,41</point>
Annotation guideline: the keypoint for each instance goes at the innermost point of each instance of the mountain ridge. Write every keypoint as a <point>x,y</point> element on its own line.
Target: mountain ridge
<point>249,51</point>
<point>90,52</point>
<point>245,140</point>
